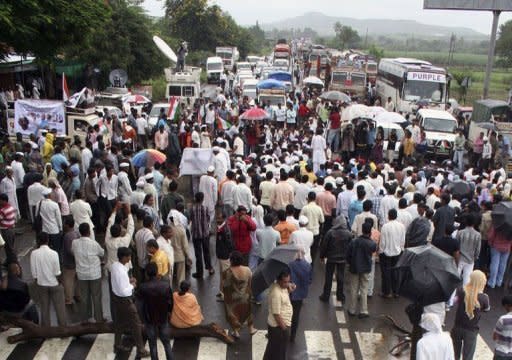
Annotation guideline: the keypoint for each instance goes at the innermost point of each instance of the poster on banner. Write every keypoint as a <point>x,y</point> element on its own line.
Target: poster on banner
<point>30,116</point>
<point>195,161</point>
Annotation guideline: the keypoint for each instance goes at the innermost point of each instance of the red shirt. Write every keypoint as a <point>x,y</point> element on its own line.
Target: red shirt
<point>7,217</point>
<point>241,232</point>
<point>335,120</point>
<point>303,110</point>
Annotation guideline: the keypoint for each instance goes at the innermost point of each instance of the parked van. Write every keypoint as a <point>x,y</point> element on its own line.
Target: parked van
<point>439,127</point>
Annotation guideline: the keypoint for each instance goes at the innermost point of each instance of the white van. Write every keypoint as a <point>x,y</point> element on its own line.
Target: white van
<point>439,127</point>
<point>214,68</point>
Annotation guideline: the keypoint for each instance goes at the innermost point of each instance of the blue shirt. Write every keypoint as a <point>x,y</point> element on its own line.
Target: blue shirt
<point>372,133</point>
<point>355,208</point>
<point>57,161</point>
<point>300,273</point>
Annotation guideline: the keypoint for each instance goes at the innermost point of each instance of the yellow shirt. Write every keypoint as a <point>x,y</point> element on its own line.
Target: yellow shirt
<point>161,261</point>
<point>279,304</point>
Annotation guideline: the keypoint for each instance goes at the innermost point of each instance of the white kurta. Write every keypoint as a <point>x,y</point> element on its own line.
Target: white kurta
<point>221,166</point>
<point>124,188</point>
<point>82,213</point>
<point>208,186</point>
<point>8,186</point>
<point>318,145</point>
<point>435,346</point>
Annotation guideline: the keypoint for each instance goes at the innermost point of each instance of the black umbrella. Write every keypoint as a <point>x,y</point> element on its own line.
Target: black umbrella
<point>277,261</point>
<point>427,275</point>
<point>502,217</point>
<point>460,188</point>
<point>335,96</point>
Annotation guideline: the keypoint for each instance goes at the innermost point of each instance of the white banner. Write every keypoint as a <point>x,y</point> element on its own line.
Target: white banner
<point>72,101</point>
<point>426,76</point>
<point>195,161</point>
<point>30,116</point>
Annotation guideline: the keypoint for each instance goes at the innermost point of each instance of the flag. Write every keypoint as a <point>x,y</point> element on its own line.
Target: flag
<point>222,124</point>
<point>174,108</point>
<point>65,89</point>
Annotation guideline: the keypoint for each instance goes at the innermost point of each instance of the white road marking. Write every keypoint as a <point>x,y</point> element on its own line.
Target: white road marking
<point>340,316</point>
<point>320,345</point>
<point>5,347</point>
<point>259,343</point>
<point>211,349</point>
<point>53,349</point>
<point>345,336</point>
<point>482,351</point>
<point>103,348</point>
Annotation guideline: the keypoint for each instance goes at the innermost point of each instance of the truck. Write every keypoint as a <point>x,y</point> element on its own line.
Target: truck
<point>282,51</point>
<point>271,92</point>
<point>33,116</point>
<point>229,56</point>
<point>183,84</point>
<point>439,127</point>
<point>214,68</point>
<point>348,79</point>
<point>489,114</point>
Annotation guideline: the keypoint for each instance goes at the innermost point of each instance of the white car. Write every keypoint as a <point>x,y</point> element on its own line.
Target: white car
<point>243,65</point>
<point>281,63</point>
<point>155,111</point>
<point>241,77</point>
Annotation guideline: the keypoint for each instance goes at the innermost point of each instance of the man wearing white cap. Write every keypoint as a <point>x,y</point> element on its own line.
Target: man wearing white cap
<point>51,220</point>
<point>8,187</point>
<point>303,238</point>
<point>220,164</point>
<point>18,175</point>
<point>208,186</point>
<point>150,189</point>
<point>137,196</point>
<point>124,188</point>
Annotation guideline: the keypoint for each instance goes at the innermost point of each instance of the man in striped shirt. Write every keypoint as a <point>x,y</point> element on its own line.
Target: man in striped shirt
<point>7,224</point>
<point>502,335</point>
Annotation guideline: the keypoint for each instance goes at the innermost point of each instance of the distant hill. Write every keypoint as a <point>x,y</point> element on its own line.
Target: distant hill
<point>324,26</point>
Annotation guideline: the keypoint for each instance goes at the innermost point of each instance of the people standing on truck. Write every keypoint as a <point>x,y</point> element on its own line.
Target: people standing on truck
<point>459,147</point>
<point>182,53</point>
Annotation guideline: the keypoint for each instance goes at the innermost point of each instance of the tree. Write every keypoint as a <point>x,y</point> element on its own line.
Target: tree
<point>504,43</point>
<point>346,36</point>
<point>378,53</point>
<point>124,40</point>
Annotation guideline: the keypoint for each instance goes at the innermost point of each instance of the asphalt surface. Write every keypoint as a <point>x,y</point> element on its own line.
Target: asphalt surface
<point>325,331</point>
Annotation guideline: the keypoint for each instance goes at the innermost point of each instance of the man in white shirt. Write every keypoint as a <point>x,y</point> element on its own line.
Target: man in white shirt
<point>51,220</point>
<point>388,202</point>
<point>126,317</point>
<point>300,198</point>
<point>35,194</point>
<point>210,117</point>
<point>87,254</point>
<point>165,244</point>
<point>18,175</point>
<point>208,186</point>
<point>220,164</point>
<point>344,199</point>
<point>124,187</point>
<point>238,146</point>
<point>357,225</point>
<point>392,242</point>
<point>45,268</point>
<point>315,216</point>
<point>242,195</point>
<point>142,236</point>
<point>280,114</point>
<point>142,125</point>
<point>227,194</point>
<point>303,238</point>
<point>114,239</point>
<point>403,217</point>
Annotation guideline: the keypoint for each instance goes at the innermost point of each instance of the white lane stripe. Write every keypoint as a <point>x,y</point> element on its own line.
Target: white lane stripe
<point>482,351</point>
<point>345,336</point>
<point>259,343</point>
<point>53,349</point>
<point>340,316</point>
<point>320,345</point>
<point>103,348</point>
<point>349,354</point>
<point>368,343</point>
<point>5,347</point>
<point>211,349</point>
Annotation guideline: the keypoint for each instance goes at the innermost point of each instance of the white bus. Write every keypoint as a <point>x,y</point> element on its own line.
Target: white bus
<point>407,81</point>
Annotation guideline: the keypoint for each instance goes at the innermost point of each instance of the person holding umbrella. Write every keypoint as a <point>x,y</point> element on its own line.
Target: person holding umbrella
<point>471,302</point>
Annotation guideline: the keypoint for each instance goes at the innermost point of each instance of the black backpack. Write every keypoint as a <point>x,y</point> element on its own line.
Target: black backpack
<point>224,242</point>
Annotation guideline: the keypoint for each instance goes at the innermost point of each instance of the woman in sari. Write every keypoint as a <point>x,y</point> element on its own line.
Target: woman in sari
<point>238,294</point>
<point>186,311</point>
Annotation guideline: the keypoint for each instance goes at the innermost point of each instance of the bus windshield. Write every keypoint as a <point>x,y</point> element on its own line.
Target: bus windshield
<point>339,77</point>
<point>225,55</point>
<point>214,66</point>
<point>272,99</point>
<point>358,79</point>
<point>417,90</point>
<point>439,125</point>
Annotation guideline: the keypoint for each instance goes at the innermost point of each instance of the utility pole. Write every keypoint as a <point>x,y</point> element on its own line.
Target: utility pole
<point>366,38</point>
<point>490,55</point>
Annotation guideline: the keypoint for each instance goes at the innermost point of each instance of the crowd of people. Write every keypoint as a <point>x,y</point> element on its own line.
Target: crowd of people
<point>299,178</point>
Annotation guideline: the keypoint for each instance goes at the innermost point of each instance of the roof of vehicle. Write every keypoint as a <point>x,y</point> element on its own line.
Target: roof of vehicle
<point>250,82</point>
<point>492,102</point>
<point>214,59</point>
<point>243,63</point>
<point>464,109</point>
<point>438,114</point>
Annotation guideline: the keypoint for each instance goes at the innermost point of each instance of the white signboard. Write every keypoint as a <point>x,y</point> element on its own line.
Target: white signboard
<point>195,161</point>
<point>426,76</point>
<point>31,116</point>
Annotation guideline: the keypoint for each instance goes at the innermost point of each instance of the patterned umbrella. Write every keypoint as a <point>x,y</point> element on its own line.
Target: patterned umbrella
<point>148,157</point>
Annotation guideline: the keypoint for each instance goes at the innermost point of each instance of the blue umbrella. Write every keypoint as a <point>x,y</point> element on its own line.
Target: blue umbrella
<point>270,84</point>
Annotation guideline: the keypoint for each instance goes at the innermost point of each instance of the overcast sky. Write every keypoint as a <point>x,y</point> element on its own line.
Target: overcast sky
<point>247,12</point>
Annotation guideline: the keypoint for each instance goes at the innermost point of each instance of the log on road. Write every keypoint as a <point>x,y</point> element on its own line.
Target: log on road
<point>32,331</point>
